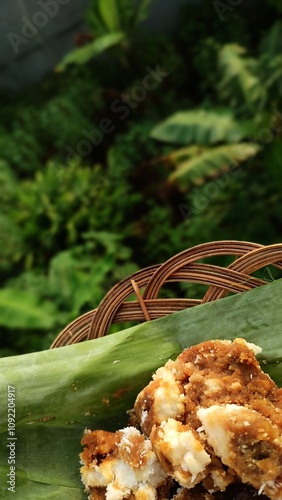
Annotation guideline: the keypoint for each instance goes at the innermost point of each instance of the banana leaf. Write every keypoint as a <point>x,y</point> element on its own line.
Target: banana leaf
<point>110,14</point>
<point>93,49</point>
<point>60,392</point>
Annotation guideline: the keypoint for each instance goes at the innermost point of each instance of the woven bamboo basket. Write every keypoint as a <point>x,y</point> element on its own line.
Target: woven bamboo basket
<point>186,266</point>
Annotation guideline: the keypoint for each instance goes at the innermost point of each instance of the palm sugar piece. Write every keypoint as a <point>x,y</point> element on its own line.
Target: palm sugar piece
<point>247,442</point>
<point>121,465</point>
<point>212,373</point>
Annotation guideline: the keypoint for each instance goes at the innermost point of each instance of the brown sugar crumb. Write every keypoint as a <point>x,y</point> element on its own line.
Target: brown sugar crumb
<point>247,442</point>
<point>208,426</point>
<point>122,466</point>
<point>97,445</point>
<point>217,374</point>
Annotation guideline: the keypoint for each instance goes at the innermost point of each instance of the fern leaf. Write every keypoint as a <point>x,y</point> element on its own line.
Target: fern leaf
<point>201,127</point>
<point>213,161</point>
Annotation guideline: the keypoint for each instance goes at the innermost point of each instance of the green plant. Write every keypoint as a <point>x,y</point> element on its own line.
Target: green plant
<point>230,204</point>
<point>71,227</point>
<point>112,23</point>
<point>201,126</point>
<point>214,136</point>
<point>75,281</point>
<point>73,260</point>
<point>240,83</point>
<point>209,163</point>
<point>26,156</point>
<point>218,135</point>
<point>40,132</point>
<point>22,309</point>
<point>66,202</point>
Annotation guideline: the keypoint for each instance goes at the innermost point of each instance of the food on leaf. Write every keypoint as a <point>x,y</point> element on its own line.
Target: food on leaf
<point>210,419</point>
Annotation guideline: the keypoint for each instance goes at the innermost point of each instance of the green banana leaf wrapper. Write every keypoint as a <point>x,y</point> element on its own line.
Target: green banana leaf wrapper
<point>60,392</point>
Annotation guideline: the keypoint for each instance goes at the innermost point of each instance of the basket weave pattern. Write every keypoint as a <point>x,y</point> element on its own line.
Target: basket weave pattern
<point>183,267</point>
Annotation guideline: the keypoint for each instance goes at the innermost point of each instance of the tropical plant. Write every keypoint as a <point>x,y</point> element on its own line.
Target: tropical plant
<point>215,143</point>
<point>201,126</point>
<point>113,16</point>
<point>210,162</point>
<point>240,83</point>
<point>112,23</point>
<point>219,138</point>
<point>71,228</point>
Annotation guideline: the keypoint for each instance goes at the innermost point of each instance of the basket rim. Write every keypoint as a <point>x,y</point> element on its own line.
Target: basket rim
<point>182,267</point>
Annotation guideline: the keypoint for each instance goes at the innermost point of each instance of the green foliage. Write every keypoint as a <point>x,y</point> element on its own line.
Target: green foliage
<point>272,156</point>
<point>26,156</point>
<point>240,84</point>
<point>106,16</point>
<point>113,23</point>
<point>200,126</point>
<point>37,130</point>
<point>271,61</point>
<point>277,4</point>
<point>271,43</point>
<point>8,184</point>
<point>109,14</point>
<point>77,279</point>
<point>22,309</point>
<point>84,54</point>
<point>66,202</point>
<point>211,162</point>
<point>71,227</point>
<point>234,201</point>
<point>247,88</point>
<point>58,110</point>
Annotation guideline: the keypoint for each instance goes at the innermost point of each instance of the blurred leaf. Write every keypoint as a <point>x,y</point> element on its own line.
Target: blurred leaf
<point>276,4</point>
<point>272,157</point>
<point>187,152</point>
<point>110,14</point>
<point>199,126</point>
<point>271,44</point>
<point>22,309</point>
<point>83,54</point>
<point>60,392</point>
<point>213,161</point>
<point>116,15</point>
<point>142,11</point>
<point>78,280</point>
<point>271,61</point>
<point>11,244</point>
<point>240,81</point>
<point>8,183</point>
